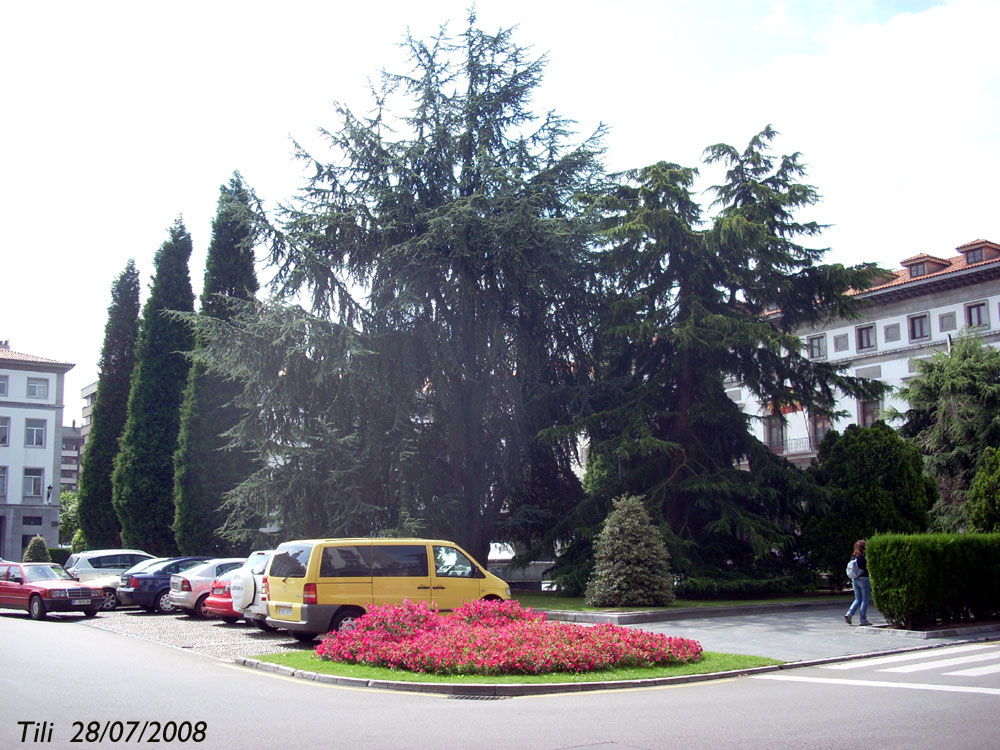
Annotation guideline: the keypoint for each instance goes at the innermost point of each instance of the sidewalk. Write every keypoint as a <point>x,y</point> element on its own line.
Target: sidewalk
<point>799,632</point>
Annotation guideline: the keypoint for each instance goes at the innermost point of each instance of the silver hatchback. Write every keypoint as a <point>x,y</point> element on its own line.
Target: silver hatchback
<point>190,589</point>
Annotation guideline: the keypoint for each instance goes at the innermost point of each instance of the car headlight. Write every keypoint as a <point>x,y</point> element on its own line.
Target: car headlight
<point>57,593</point>
<point>507,589</point>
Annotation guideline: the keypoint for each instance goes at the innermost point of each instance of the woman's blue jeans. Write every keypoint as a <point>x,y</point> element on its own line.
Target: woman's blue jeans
<point>862,595</point>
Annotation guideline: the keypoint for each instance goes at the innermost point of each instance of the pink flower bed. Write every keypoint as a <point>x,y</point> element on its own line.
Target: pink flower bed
<point>493,638</point>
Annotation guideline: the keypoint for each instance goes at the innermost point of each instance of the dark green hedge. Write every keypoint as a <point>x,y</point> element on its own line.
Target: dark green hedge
<point>59,555</point>
<point>922,579</point>
<point>739,588</point>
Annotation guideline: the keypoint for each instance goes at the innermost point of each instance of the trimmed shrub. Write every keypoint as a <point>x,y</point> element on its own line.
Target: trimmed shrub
<point>59,555</point>
<point>740,588</point>
<point>631,563</point>
<point>493,638</point>
<point>79,543</point>
<point>922,579</point>
<point>36,551</point>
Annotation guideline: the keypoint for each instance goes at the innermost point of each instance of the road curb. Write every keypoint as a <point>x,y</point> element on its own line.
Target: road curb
<point>520,690</point>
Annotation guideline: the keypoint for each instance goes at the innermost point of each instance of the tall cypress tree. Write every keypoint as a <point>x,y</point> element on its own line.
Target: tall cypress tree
<point>98,520</point>
<point>204,470</point>
<point>143,479</point>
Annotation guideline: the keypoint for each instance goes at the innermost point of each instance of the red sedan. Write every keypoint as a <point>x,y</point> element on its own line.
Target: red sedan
<point>220,600</point>
<point>41,588</point>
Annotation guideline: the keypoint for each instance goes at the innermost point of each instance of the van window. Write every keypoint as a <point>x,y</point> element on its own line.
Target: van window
<point>399,560</point>
<point>290,561</point>
<point>450,563</point>
<point>346,562</point>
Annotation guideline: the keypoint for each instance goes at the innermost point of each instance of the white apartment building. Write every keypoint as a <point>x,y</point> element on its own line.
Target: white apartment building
<point>911,315</point>
<point>31,412</point>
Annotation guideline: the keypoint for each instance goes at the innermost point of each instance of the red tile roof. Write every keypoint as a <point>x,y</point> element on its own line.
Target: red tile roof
<point>12,356</point>
<point>952,265</point>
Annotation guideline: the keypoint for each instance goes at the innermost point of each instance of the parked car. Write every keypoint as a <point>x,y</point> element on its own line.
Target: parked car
<point>96,563</point>
<point>246,589</point>
<point>190,589</point>
<point>150,589</point>
<point>109,584</point>
<point>314,586</point>
<point>40,588</point>
<point>219,602</point>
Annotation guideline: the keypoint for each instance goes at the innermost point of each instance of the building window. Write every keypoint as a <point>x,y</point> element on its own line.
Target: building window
<point>33,483</point>
<point>918,269</point>
<point>3,482</point>
<point>868,412</point>
<point>974,256</point>
<point>31,521</point>
<point>840,343</point>
<point>946,322</point>
<point>774,433</point>
<point>820,426</point>
<point>34,433</point>
<point>920,327</point>
<point>4,382</point>
<point>38,388</point>
<point>816,346</point>
<point>866,337</point>
<point>977,315</point>
<point>4,430</point>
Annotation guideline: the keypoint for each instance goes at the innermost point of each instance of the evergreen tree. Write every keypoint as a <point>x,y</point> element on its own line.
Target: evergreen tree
<point>467,235</point>
<point>954,416</point>
<point>631,564</point>
<point>143,478</point>
<point>36,551</point>
<point>69,515</point>
<point>873,481</point>
<point>983,502</point>
<point>97,517</point>
<point>204,468</point>
<point>689,307</point>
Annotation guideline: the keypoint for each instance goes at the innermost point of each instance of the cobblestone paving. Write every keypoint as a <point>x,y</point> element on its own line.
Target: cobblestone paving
<point>210,637</point>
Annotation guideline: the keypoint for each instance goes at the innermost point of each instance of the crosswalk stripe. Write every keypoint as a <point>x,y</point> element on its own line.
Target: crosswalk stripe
<point>942,663</point>
<point>977,671</point>
<point>879,683</point>
<point>904,657</point>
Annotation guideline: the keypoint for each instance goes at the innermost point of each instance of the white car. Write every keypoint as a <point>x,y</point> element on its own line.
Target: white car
<point>96,563</point>
<point>245,588</point>
<point>190,589</point>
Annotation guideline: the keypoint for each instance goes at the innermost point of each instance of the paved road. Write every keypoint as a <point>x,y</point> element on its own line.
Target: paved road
<point>65,671</point>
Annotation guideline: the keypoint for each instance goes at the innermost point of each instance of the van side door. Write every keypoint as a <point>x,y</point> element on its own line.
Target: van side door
<point>400,572</point>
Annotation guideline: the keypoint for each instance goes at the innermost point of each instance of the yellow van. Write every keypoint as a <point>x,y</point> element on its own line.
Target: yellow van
<point>314,586</point>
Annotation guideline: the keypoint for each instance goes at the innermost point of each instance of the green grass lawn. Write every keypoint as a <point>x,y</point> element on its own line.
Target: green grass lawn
<point>540,600</point>
<point>709,663</point>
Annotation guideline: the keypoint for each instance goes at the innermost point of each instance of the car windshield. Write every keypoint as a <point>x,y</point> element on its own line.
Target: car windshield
<point>45,573</point>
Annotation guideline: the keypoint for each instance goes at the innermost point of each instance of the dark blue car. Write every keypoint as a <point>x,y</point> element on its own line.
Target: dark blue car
<point>150,588</point>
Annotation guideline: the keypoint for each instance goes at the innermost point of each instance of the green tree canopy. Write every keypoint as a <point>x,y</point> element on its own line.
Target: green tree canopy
<point>205,465</point>
<point>455,208</point>
<point>873,481</point>
<point>983,501</point>
<point>692,311</point>
<point>143,479</point>
<point>97,516</point>
<point>953,415</point>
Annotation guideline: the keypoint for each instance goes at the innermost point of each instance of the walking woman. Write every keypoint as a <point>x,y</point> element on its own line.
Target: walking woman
<point>862,585</point>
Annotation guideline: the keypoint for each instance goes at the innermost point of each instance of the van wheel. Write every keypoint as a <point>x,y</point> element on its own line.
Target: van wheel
<point>346,619</point>
<point>492,598</point>
<point>262,624</point>
<point>303,637</point>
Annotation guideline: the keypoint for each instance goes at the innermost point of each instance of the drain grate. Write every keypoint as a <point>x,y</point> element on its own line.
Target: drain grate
<point>461,697</point>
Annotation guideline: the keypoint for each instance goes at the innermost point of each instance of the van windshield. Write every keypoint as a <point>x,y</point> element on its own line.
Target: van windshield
<point>290,561</point>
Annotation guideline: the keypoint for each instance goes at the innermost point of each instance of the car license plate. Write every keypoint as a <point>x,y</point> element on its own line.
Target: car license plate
<point>285,611</point>
<point>80,602</point>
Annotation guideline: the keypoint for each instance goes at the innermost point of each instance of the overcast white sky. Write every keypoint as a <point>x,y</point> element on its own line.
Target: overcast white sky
<point>120,116</point>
